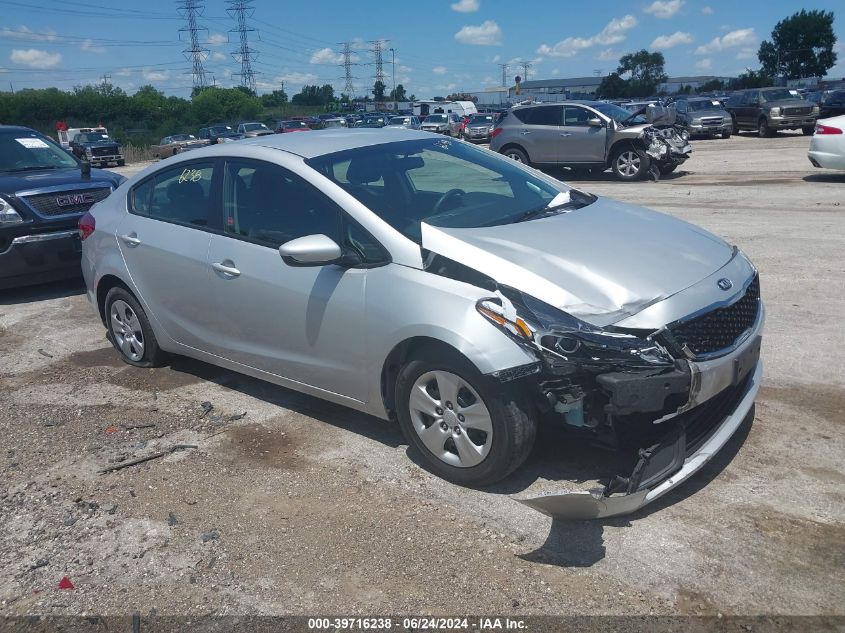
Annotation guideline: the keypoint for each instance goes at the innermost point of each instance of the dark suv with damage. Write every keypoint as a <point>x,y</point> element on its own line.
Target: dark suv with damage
<point>767,110</point>
<point>43,192</point>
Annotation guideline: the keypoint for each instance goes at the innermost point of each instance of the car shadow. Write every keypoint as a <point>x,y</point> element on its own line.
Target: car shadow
<point>581,543</point>
<point>43,292</point>
<point>582,175</point>
<point>832,177</point>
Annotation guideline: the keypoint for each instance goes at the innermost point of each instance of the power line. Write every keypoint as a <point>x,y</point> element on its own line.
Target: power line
<point>378,50</point>
<point>348,88</point>
<point>526,66</point>
<point>504,68</point>
<point>196,53</point>
<point>241,10</point>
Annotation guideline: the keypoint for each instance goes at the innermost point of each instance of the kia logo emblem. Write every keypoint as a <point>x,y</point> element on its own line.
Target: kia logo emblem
<point>73,199</point>
<point>725,284</point>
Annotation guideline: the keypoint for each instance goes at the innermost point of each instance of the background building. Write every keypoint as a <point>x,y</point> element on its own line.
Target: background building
<point>585,87</point>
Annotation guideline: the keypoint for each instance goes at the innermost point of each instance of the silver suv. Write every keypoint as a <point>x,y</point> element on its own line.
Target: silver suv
<point>591,135</point>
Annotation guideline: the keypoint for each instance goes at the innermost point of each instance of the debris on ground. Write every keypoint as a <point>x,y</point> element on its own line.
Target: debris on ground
<point>43,353</point>
<point>111,429</point>
<point>213,535</point>
<point>141,460</point>
<point>206,408</point>
<point>41,562</point>
<point>235,417</point>
<point>65,583</point>
<point>171,519</point>
<point>145,425</point>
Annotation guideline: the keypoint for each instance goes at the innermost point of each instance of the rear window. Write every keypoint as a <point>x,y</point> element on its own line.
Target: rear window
<point>541,115</point>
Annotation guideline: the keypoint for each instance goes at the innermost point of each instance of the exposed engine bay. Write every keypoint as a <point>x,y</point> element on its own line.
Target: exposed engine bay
<point>666,142</point>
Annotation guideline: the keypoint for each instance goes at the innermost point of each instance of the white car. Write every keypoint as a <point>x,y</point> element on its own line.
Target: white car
<point>827,147</point>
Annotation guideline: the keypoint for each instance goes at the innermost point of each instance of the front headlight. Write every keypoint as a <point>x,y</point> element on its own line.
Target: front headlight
<point>564,341</point>
<point>88,151</point>
<point>774,111</point>
<point>815,109</point>
<point>8,215</point>
<point>696,122</point>
<point>685,135</point>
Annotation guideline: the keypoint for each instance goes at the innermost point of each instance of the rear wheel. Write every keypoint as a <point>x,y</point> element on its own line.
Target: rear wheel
<point>726,134</point>
<point>130,331</point>
<point>630,163</point>
<point>466,431</point>
<point>514,153</point>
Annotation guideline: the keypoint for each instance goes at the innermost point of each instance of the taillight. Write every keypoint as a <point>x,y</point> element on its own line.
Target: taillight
<point>87,224</point>
<point>827,129</point>
<point>495,132</point>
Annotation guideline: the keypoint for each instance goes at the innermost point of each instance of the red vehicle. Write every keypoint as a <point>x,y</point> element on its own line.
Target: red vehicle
<point>283,127</point>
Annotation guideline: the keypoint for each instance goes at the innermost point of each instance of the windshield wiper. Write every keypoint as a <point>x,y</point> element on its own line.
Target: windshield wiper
<point>532,214</point>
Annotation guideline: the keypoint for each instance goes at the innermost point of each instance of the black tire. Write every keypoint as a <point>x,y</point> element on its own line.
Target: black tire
<point>735,125</point>
<point>517,154</point>
<point>513,419</point>
<point>153,355</point>
<point>726,134</point>
<point>644,163</point>
<point>763,129</point>
<point>808,130</point>
<point>121,163</point>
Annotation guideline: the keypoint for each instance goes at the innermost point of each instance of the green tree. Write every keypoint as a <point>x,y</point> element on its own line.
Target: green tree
<point>378,90</point>
<point>801,46</point>
<point>274,99</point>
<point>751,79</point>
<point>398,94</point>
<point>646,71</point>
<point>714,85</point>
<point>612,86</point>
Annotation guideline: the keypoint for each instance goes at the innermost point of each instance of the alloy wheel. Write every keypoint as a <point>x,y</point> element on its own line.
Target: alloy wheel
<point>451,419</point>
<point>629,163</point>
<point>514,156</point>
<point>126,330</point>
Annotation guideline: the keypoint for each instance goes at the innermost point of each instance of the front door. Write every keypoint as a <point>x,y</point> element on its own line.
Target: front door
<point>541,134</point>
<point>302,323</point>
<point>164,240</point>
<point>581,142</point>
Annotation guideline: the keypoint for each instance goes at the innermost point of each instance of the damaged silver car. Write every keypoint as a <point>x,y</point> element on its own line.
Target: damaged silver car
<point>435,283</point>
<point>591,135</point>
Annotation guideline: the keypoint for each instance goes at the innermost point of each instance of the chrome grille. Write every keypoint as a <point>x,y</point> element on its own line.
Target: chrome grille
<point>797,111</point>
<point>110,150</point>
<point>720,328</point>
<point>56,203</point>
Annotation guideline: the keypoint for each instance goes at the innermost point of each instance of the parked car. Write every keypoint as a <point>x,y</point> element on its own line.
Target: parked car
<point>437,123</point>
<point>590,135</point>
<point>283,127</point>
<point>253,129</point>
<point>175,143</point>
<point>98,148</point>
<point>479,128</point>
<point>410,122</point>
<point>462,294</point>
<point>831,104</point>
<point>220,133</point>
<point>334,123</point>
<point>767,110</point>
<point>703,116</point>
<point>827,147</point>
<point>43,192</point>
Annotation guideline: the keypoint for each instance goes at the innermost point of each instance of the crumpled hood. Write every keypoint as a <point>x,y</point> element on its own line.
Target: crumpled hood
<point>602,263</point>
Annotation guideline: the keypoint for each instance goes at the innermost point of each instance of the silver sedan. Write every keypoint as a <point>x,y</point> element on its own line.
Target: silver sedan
<point>429,281</point>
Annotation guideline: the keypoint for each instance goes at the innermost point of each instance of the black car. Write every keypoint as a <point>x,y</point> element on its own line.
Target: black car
<point>98,148</point>
<point>832,104</point>
<point>43,192</point>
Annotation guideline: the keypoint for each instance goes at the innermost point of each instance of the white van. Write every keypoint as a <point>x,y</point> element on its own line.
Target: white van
<point>462,108</point>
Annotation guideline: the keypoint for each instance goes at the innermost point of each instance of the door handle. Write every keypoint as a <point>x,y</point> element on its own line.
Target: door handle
<point>223,269</point>
<point>566,133</point>
<point>131,239</point>
<point>524,132</point>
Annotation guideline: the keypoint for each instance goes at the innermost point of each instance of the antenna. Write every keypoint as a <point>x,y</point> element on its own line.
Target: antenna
<point>504,68</point>
<point>244,55</point>
<point>347,64</point>
<point>196,53</point>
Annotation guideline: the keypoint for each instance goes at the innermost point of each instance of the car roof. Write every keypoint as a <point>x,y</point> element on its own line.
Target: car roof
<point>322,142</point>
<point>15,128</point>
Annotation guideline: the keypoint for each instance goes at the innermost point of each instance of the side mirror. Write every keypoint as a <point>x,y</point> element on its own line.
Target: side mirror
<point>85,169</point>
<point>596,122</point>
<point>310,250</point>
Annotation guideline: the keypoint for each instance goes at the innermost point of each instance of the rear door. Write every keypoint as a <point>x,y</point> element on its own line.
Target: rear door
<point>579,141</point>
<point>164,240</point>
<point>541,132</point>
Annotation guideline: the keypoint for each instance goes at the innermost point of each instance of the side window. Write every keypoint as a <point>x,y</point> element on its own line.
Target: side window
<point>545,115</point>
<point>270,205</point>
<point>360,240</point>
<point>180,194</point>
<point>576,116</point>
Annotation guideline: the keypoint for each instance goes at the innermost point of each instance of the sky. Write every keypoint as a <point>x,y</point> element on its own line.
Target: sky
<point>440,46</point>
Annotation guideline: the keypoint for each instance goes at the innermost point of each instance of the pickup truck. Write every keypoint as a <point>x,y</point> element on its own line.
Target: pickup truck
<point>767,110</point>
<point>98,148</point>
<point>43,192</point>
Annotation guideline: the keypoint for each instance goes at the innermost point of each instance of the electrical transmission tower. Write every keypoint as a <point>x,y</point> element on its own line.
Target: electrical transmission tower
<point>526,66</point>
<point>504,68</point>
<point>244,55</point>
<point>347,64</point>
<point>196,53</point>
<point>378,50</point>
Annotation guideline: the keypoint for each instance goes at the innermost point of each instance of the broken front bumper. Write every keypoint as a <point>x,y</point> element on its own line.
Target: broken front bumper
<point>722,394</point>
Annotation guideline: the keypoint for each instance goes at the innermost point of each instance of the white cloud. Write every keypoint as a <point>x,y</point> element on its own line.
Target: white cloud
<point>747,53</point>
<point>155,75</point>
<point>496,58</point>
<point>123,72</point>
<point>678,38</point>
<point>466,6</point>
<point>486,34</point>
<point>89,47</point>
<point>734,39</point>
<point>664,8</point>
<point>326,56</point>
<point>404,69</point>
<point>706,10</point>
<point>703,64</point>
<point>297,78</point>
<point>439,70</point>
<point>24,33</point>
<point>217,56</point>
<point>608,54</point>
<point>34,58</point>
<point>614,33</point>
<point>217,39</point>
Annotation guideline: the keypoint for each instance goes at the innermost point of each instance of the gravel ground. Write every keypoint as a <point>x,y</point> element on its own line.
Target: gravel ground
<point>302,507</point>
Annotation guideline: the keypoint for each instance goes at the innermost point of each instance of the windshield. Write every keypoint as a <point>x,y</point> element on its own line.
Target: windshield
<point>620,115</point>
<point>254,126</point>
<point>220,129</point>
<point>440,182</point>
<point>182,137</point>
<point>702,106</point>
<point>435,118</point>
<point>398,120</point>
<point>23,151</point>
<point>779,94</point>
<point>294,124</point>
<point>92,137</point>
<point>481,118</point>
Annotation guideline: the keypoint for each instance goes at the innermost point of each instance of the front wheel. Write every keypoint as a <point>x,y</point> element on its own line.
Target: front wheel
<point>465,430</point>
<point>630,163</point>
<point>514,153</point>
<point>726,134</point>
<point>763,129</point>
<point>130,331</point>
<point>808,130</point>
